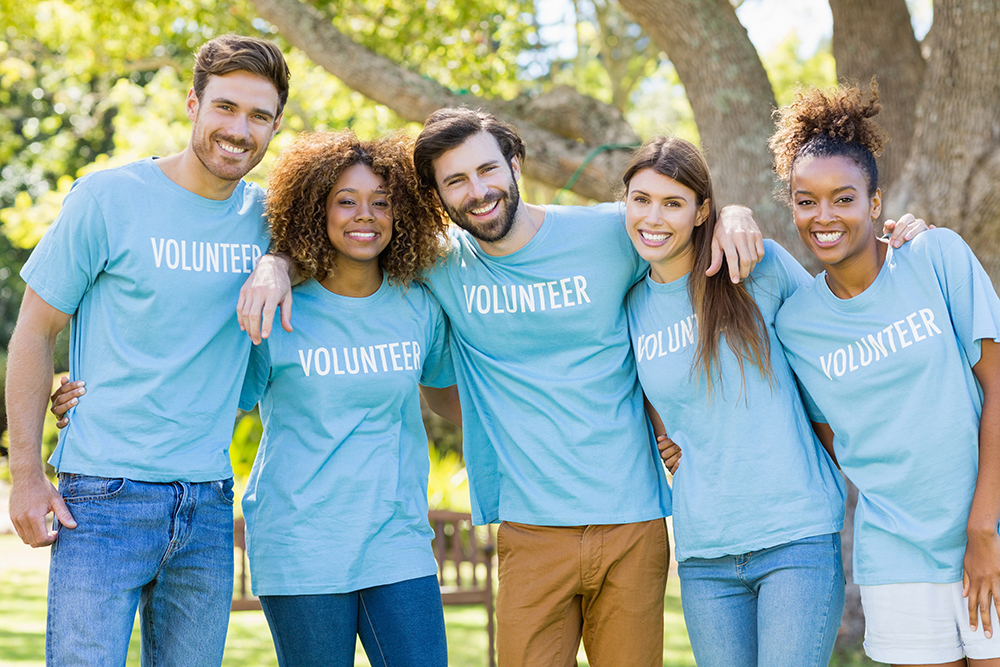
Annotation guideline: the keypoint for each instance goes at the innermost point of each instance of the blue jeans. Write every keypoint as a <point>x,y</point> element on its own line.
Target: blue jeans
<point>164,549</point>
<point>400,625</point>
<point>774,607</point>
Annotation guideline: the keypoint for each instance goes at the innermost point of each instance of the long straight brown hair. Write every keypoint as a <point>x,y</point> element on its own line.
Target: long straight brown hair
<point>719,305</point>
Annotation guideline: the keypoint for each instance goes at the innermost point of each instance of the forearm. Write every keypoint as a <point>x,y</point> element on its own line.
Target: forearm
<point>29,383</point>
<point>825,435</point>
<point>654,417</point>
<point>444,402</point>
<point>985,512</point>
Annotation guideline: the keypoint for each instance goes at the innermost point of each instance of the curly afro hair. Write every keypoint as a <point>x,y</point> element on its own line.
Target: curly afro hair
<point>300,182</point>
<point>821,123</point>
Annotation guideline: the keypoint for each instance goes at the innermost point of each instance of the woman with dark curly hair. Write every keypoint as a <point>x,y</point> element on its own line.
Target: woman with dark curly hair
<point>336,504</point>
<point>882,329</point>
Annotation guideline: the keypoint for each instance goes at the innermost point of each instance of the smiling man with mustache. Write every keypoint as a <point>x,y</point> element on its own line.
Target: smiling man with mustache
<point>145,260</point>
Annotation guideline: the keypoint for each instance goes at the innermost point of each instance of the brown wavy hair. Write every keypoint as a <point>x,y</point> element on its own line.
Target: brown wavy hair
<point>719,305</point>
<point>300,182</point>
<point>823,123</point>
<point>235,53</point>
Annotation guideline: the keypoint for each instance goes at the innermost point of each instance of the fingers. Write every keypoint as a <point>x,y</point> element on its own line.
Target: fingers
<point>670,453</point>
<point>716,264</point>
<point>979,607</point>
<point>972,593</point>
<point>266,290</point>
<point>742,250</point>
<point>672,461</point>
<point>32,529</point>
<point>62,513</point>
<point>984,613</point>
<point>904,229</point>
<point>286,313</point>
<point>65,398</point>
<point>241,305</point>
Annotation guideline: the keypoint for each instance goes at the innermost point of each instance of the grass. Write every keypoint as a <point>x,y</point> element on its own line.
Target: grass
<point>23,576</point>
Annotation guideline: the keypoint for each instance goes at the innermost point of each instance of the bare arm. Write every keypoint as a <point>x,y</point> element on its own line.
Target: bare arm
<point>825,435</point>
<point>670,451</point>
<point>267,289</point>
<point>738,237</point>
<point>444,401</point>
<point>981,579</point>
<point>29,382</point>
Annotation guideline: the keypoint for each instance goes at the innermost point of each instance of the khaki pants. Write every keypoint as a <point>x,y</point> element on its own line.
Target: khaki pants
<point>604,584</point>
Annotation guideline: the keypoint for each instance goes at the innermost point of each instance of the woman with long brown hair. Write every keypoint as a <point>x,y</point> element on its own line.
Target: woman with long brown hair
<point>757,503</point>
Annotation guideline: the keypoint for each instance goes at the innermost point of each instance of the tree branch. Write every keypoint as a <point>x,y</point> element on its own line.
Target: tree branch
<point>560,129</point>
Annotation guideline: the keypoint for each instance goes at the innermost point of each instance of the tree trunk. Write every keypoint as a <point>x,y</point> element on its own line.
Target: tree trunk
<point>560,129</point>
<point>876,39</point>
<point>732,101</point>
<point>952,175</point>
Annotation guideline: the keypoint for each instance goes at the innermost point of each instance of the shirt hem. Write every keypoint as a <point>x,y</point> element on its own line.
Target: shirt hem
<point>341,588</point>
<point>581,520</point>
<point>682,554</point>
<point>155,477</point>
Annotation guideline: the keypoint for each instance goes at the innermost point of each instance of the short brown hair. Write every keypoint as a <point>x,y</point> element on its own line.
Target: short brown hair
<point>300,182</point>
<point>235,53</point>
<point>447,128</point>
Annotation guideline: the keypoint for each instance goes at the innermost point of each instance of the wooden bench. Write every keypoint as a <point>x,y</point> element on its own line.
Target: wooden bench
<point>464,557</point>
<point>460,553</point>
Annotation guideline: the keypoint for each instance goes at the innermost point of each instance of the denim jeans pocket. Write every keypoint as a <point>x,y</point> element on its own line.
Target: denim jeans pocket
<point>81,488</point>
<point>224,487</point>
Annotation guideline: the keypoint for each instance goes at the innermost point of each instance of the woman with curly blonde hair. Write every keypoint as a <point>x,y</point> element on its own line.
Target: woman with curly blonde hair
<point>880,330</point>
<point>336,504</point>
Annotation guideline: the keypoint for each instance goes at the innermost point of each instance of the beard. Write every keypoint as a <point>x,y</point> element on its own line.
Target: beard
<point>224,167</point>
<point>496,229</point>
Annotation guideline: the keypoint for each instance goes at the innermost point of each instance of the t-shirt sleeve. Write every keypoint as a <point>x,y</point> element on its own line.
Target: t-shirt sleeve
<point>71,254</point>
<point>972,299</point>
<point>793,276</point>
<point>438,369</point>
<point>257,376</point>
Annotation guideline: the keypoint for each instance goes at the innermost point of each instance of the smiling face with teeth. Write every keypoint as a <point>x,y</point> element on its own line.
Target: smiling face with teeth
<point>661,215</point>
<point>478,188</point>
<point>233,123</point>
<point>834,212</point>
<point>359,221</point>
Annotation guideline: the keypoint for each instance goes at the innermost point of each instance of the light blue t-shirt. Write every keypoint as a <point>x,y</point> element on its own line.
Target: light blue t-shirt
<point>753,474</point>
<point>554,428</point>
<point>151,273</point>
<point>891,371</point>
<point>337,498</point>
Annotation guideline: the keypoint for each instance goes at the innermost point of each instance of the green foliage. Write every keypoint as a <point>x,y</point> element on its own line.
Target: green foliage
<point>466,46</point>
<point>448,484</point>
<point>613,54</point>
<point>660,106</point>
<point>246,440</point>
<point>788,71</point>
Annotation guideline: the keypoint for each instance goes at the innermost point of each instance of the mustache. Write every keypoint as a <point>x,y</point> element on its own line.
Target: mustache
<point>490,198</point>
<point>239,143</point>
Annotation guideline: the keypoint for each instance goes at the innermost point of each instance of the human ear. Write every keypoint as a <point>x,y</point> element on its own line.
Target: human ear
<point>191,105</point>
<point>876,204</point>
<point>702,215</point>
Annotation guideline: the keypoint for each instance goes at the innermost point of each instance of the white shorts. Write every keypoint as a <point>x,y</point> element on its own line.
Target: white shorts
<point>924,623</point>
